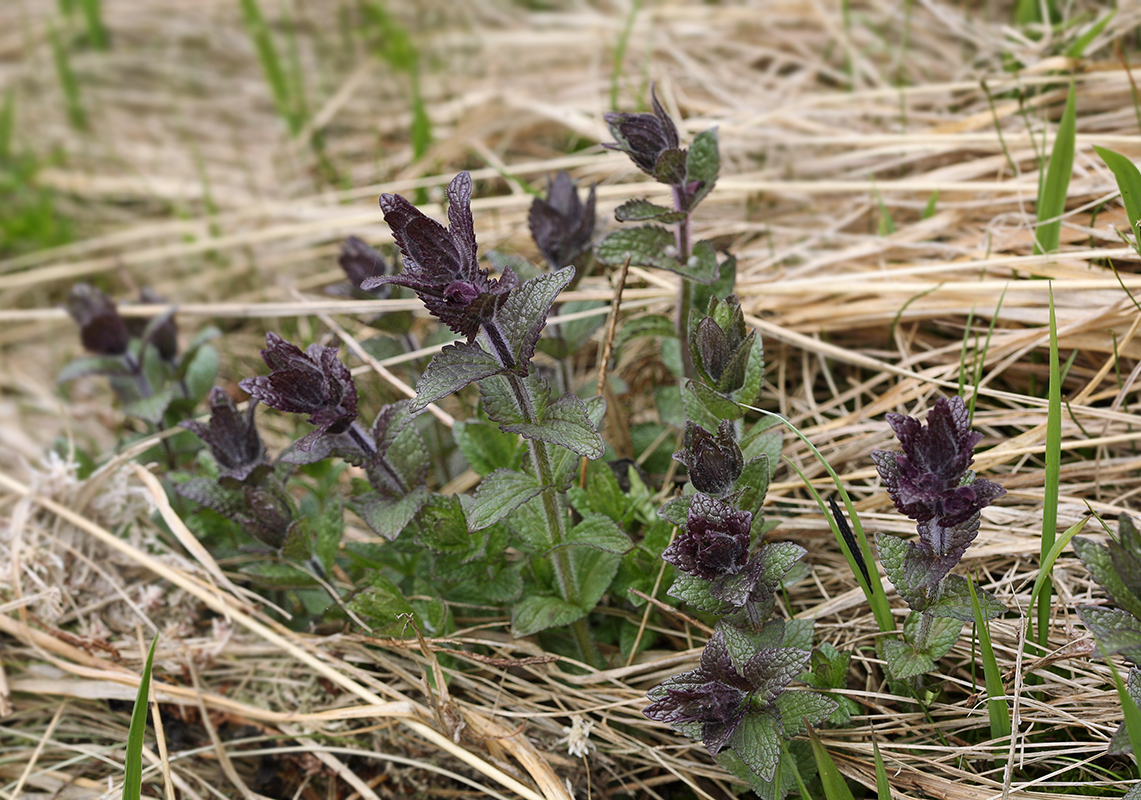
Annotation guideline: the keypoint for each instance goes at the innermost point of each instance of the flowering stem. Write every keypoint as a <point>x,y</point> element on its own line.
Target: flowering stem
<point>685,290</point>
<point>556,522</point>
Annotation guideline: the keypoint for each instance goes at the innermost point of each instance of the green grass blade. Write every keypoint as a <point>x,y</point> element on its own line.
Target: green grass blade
<point>788,759</point>
<point>835,787</point>
<point>270,63</point>
<point>980,358</point>
<point>995,692</point>
<point>883,785</point>
<point>1128,179</point>
<point>877,599</point>
<point>1052,556</point>
<point>1052,198</point>
<point>620,51</point>
<point>133,765</point>
<point>68,82</point>
<point>93,19</point>
<point>1052,476</point>
<point>1078,48</point>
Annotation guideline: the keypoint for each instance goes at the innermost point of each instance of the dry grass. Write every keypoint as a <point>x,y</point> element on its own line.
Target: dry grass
<point>189,181</point>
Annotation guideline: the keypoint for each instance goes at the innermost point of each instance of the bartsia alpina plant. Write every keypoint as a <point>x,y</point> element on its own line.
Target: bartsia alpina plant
<point>931,483</point>
<point>562,225</point>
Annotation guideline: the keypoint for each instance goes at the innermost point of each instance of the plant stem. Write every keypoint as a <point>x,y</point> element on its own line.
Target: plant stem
<point>556,522</point>
<point>685,290</point>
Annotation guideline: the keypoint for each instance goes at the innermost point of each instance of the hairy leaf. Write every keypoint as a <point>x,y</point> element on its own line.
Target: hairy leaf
<point>387,515</point>
<point>642,210</point>
<point>499,494</point>
<point>452,369</point>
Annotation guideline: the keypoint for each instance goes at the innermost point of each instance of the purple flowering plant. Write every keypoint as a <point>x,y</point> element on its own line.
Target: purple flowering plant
<point>931,482</point>
<point>140,356</point>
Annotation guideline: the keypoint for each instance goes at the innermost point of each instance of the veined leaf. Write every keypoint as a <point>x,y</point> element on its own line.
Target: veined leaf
<point>641,210</point>
<point>452,369</point>
<point>499,494</point>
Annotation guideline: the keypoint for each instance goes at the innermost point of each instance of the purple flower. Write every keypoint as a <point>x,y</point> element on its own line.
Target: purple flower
<point>714,460</point>
<point>925,481</point>
<point>716,697</point>
<point>101,329</point>
<point>646,138</point>
<point>562,225</point>
<point>440,264</point>
<point>314,382</point>
<point>233,439</point>
<point>715,541</point>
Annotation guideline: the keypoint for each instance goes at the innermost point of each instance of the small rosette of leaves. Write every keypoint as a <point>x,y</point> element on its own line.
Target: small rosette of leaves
<point>931,482</point>
<point>1116,566</point>
<point>233,438</point>
<point>737,700</point>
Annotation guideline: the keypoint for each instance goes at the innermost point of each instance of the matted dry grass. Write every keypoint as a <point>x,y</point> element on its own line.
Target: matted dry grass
<point>190,183</point>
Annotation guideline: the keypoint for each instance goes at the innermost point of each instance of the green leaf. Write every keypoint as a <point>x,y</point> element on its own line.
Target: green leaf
<point>642,210</point>
<point>388,516</point>
<point>954,601</point>
<point>133,762</point>
<point>757,741</point>
<point>670,168</point>
<point>384,604</point>
<point>1128,707</point>
<point>452,369</point>
<point>996,693</point>
<point>704,405</point>
<point>1078,48</point>
<point>201,371</point>
<point>1051,477</point>
<point>702,266</point>
<point>904,661</point>
<point>524,315</point>
<point>696,592</point>
<point>1115,631</point>
<point>499,494</point>
<point>645,325</point>
<point>576,332</point>
<point>486,447</point>
<point>93,365</point>
<point>538,612</point>
<point>600,532</point>
<point>703,163</point>
<point>150,409</point>
<point>330,529</point>
<point>799,709</point>
<point>276,575</point>
<point>1055,187</point>
<point>1128,179</point>
<point>593,571</point>
<point>500,403</point>
<point>676,510</point>
<point>753,484</point>
<point>1099,562</point>
<point>566,424</point>
<point>565,462</point>
<point>644,245</point>
<point>442,527</point>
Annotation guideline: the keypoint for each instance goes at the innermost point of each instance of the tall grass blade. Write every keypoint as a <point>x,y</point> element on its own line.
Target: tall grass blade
<point>995,691</point>
<point>980,358</point>
<point>1128,179</point>
<point>7,125</point>
<point>1052,477</point>
<point>835,787</point>
<point>270,63</point>
<point>1078,48</point>
<point>68,83</point>
<point>1052,556</point>
<point>93,19</point>
<point>1055,187</point>
<point>883,785</point>
<point>133,765</point>
<point>873,589</point>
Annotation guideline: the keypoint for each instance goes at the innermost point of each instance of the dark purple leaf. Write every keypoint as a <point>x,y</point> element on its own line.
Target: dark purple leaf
<point>314,382</point>
<point>232,438</point>
<point>715,541</point>
<point>714,461</point>
<point>440,264</point>
<point>645,137</point>
<point>562,225</point>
